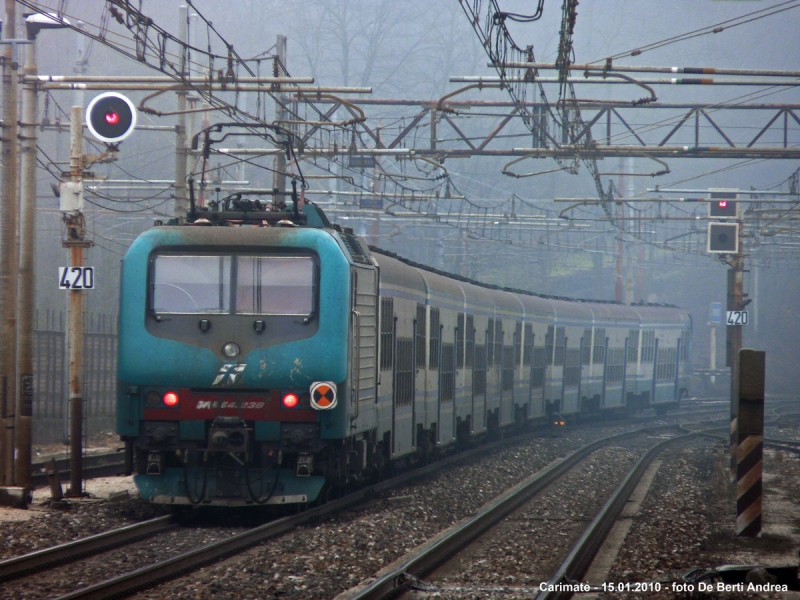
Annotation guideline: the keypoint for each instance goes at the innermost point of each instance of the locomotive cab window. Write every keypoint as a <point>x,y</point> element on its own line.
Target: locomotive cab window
<point>231,284</point>
<point>274,285</point>
<point>191,284</point>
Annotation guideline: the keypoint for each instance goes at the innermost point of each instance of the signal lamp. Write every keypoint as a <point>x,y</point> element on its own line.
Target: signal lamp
<point>290,400</point>
<point>171,399</point>
<point>111,117</point>
<point>723,204</point>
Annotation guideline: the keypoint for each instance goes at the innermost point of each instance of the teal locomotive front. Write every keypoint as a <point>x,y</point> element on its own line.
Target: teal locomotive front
<point>233,361</point>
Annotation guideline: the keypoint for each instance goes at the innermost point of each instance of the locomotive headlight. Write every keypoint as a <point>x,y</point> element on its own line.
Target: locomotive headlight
<point>230,350</point>
<point>290,400</point>
<point>152,399</point>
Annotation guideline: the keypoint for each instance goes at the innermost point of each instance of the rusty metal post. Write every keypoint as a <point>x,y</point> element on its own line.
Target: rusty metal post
<point>26,302</point>
<point>8,246</point>
<point>76,381</point>
<point>76,241</point>
<point>750,449</point>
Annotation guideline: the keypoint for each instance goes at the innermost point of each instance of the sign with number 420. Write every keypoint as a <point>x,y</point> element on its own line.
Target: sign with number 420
<point>76,278</point>
<point>737,317</point>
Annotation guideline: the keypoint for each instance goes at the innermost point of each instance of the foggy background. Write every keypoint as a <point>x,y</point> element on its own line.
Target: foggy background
<point>408,50</point>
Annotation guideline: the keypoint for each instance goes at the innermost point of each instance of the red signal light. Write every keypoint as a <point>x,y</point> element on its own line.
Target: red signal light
<point>722,204</point>
<point>112,118</point>
<point>171,399</point>
<point>290,400</point>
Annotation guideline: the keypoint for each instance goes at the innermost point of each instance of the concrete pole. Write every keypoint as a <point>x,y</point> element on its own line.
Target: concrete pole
<point>279,175</point>
<point>181,197</point>
<point>26,301</point>
<point>8,246</point>
<point>76,243</point>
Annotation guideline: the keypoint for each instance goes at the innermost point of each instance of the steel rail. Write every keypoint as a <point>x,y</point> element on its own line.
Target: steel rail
<point>396,578</point>
<point>106,464</point>
<point>784,445</point>
<point>583,552</point>
<point>149,576</point>
<point>83,547</point>
<point>580,557</point>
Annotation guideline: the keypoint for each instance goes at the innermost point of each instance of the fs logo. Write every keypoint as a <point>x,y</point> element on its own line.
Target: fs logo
<point>229,374</point>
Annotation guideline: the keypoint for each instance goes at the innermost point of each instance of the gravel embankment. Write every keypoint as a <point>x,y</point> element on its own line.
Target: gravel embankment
<point>687,521</point>
<point>528,547</point>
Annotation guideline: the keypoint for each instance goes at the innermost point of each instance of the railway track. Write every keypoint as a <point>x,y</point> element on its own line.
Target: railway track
<point>52,557</point>
<point>40,560</point>
<point>145,577</point>
<point>400,576</point>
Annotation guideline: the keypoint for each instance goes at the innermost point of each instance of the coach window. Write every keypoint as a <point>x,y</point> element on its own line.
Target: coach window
<point>191,284</point>
<point>421,332</point>
<point>527,352</point>
<point>470,343</point>
<point>275,285</point>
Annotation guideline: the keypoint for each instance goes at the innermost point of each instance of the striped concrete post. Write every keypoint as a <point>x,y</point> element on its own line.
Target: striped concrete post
<point>750,448</point>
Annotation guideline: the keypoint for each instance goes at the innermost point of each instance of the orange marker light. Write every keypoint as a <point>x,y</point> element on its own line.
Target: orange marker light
<point>291,400</point>
<point>171,399</point>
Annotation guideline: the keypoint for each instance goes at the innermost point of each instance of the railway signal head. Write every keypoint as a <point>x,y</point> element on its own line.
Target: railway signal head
<point>723,238</point>
<point>723,205</point>
<point>111,117</point>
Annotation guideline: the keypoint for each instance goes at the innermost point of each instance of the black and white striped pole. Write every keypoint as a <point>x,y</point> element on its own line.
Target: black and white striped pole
<point>750,447</point>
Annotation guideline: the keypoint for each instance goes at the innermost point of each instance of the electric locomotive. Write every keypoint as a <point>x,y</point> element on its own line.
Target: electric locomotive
<point>265,357</point>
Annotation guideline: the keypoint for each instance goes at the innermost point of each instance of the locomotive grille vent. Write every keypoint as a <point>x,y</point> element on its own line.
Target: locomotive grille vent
<point>355,249</point>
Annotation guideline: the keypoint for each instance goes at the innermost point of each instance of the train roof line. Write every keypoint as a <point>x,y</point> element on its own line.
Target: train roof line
<point>491,286</point>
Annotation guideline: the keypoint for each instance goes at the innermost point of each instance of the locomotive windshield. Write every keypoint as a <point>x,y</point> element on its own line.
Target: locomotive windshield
<point>192,284</point>
<point>248,285</point>
<point>270,285</point>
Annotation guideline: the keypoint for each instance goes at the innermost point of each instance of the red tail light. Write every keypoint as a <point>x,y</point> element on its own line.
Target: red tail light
<point>290,400</point>
<point>171,399</point>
